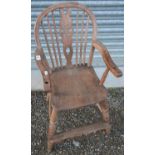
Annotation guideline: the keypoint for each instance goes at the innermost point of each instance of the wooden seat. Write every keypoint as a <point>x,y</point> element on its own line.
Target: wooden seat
<point>65,63</point>
<point>75,87</point>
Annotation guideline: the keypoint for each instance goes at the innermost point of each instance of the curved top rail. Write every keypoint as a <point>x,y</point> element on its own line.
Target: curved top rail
<point>60,6</point>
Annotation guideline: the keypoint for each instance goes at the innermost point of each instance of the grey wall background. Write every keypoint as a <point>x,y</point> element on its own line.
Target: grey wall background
<point>110,21</point>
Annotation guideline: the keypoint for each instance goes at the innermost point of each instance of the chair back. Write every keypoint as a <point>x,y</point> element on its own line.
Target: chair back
<point>65,32</point>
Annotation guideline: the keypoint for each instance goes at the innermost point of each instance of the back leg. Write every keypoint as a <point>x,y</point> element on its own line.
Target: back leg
<point>104,108</point>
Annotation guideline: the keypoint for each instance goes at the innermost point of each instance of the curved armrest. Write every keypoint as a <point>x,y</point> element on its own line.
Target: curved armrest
<point>44,68</point>
<point>107,58</point>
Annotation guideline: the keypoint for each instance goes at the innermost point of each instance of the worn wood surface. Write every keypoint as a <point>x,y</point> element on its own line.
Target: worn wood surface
<point>66,33</point>
<point>71,85</point>
<point>80,131</point>
<point>76,86</point>
<point>107,58</point>
<point>104,108</point>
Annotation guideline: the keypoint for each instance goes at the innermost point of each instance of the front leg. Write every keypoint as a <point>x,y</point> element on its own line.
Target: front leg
<point>52,128</point>
<point>104,108</point>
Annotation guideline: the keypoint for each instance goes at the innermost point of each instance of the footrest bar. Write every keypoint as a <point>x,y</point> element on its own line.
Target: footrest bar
<point>79,131</point>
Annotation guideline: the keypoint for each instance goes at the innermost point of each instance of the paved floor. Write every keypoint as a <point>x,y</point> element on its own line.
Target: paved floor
<point>93,144</point>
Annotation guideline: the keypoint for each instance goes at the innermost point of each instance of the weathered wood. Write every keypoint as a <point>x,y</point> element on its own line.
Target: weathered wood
<point>107,58</point>
<point>66,35</point>
<point>47,44</point>
<point>104,107</point>
<point>57,41</point>
<point>91,56</point>
<point>85,12</point>
<point>86,88</point>
<point>52,128</point>
<point>74,85</point>
<point>104,76</point>
<point>85,41</point>
<point>49,96</point>
<point>80,131</point>
<point>77,39</point>
<point>43,66</point>
<point>81,38</point>
<point>53,45</point>
<point>61,6</point>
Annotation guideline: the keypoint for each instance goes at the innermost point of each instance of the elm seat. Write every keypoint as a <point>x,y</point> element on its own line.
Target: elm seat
<point>75,87</point>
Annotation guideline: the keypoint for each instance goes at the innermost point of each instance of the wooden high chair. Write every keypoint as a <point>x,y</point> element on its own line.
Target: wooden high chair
<point>65,61</point>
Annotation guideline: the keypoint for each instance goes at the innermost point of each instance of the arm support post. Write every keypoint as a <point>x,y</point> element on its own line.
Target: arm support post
<point>111,66</point>
<point>44,68</point>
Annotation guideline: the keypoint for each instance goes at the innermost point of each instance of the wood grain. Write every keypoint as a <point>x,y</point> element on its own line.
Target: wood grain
<point>72,85</point>
<point>57,41</point>
<point>66,35</point>
<point>47,44</point>
<point>53,45</point>
<point>80,131</point>
<point>86,88</point>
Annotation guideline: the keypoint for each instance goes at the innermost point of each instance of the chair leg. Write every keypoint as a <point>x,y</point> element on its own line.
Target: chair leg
<point>49,104</point>
<point>52,128</point>
<point>104,108</point>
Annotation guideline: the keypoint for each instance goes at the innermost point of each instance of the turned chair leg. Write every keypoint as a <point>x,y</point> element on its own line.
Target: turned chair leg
<point>104,108</point>
<point>48,99</point>
<point>52,128</point>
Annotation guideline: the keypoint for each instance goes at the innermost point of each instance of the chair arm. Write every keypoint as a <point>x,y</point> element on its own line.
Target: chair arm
<point>44,68</point>
<point>107,58</point>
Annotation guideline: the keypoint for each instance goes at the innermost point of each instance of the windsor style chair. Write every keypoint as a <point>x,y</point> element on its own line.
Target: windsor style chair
<point>65,60</point>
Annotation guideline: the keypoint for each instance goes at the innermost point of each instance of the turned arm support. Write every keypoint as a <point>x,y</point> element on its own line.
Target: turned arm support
<point>111,66</point>
<point>44,68</point>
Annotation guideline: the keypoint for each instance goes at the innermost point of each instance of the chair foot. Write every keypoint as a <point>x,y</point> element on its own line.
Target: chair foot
<point>50,147</point>
<point>106,132</point>
<point>107,129</point>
